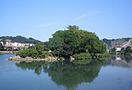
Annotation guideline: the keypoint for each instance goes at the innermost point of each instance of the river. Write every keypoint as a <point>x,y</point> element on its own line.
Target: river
<point>115,74</point>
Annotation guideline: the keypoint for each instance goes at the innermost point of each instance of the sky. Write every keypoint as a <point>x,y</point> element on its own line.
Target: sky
<point>41,18</point>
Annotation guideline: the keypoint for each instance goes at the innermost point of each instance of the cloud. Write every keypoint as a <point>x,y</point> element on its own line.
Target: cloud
<point>80,17</point>
<point>85,15</point>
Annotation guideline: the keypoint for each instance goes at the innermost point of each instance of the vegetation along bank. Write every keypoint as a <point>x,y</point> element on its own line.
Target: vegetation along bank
<point>71,45</point>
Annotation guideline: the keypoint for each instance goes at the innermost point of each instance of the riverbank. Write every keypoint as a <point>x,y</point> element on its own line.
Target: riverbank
<point>83,58</point>
<point>19,59</point>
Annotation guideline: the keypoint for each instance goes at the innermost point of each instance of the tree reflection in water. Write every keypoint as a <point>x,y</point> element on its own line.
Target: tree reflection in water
<point>66,74</point>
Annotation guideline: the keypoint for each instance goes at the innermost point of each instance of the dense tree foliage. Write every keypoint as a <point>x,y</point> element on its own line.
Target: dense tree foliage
<point>126,51</point>
<point>38,51</point>
<point>74,40</point>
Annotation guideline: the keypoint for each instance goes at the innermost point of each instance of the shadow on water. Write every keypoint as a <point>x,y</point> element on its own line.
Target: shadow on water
<point>66,74</point>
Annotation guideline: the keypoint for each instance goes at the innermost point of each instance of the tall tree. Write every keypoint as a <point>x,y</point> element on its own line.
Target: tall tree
<point>74,40</point>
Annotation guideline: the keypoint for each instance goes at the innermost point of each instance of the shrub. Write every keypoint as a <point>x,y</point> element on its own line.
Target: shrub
<point>38,51</point>
<point>103,56</point>
<point>82,58</point>
<point>28,52</point>
<point>45,54</point>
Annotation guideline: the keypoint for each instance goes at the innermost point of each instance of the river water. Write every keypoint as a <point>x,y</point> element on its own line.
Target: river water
<point>115,74</point>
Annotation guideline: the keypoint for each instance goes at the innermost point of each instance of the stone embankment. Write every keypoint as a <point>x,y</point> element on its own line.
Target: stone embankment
<point>19,59</point>
<point>7,52</point>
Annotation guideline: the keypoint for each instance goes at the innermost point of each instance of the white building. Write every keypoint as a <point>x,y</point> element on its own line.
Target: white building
<point>118,49</point>
<point>15,45</point>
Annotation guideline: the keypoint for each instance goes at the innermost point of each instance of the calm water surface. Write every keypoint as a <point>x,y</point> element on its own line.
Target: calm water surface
<point>113,75</point>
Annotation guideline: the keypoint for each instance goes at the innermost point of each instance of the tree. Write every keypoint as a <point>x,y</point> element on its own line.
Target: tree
<point>128,50</point>
<point>39,48</point>
<point>1,47</point>
<point>74,40</point>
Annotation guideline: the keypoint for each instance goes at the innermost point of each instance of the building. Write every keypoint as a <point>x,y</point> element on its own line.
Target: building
<point>127,44</point>
<point>9,45</point>
<point>118,49</point>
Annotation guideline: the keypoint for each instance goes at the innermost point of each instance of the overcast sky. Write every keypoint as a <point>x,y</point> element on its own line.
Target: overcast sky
<point>41,18</point>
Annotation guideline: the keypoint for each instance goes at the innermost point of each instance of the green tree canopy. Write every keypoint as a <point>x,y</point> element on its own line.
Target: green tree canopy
<point>74,40</point>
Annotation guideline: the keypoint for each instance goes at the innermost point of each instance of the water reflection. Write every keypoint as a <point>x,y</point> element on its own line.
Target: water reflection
<point>70,75</point>
<point>66,74</point>
<point>122,61</point>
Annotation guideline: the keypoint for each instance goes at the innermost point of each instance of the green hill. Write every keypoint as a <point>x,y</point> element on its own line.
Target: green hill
<point>21,39</point>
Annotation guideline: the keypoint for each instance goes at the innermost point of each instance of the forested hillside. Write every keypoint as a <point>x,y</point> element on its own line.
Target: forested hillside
<point>21,39</point>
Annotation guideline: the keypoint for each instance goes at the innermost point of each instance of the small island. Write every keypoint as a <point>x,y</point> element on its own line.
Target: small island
<point>72,45</point>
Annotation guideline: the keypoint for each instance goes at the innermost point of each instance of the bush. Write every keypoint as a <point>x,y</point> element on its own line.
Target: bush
<point>28,52</point>
<point>82,58</point>
<point>38,51</point>
<point>22,53</point>
<point>45,54</point>
<point>103,56</point>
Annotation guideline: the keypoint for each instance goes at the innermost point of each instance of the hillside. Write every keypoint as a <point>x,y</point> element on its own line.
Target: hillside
<point>21,39</point>
<point>116,42</point>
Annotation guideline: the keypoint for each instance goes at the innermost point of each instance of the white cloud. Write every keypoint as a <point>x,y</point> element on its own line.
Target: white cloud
<point>85,15</point>
<point>80,17</point>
